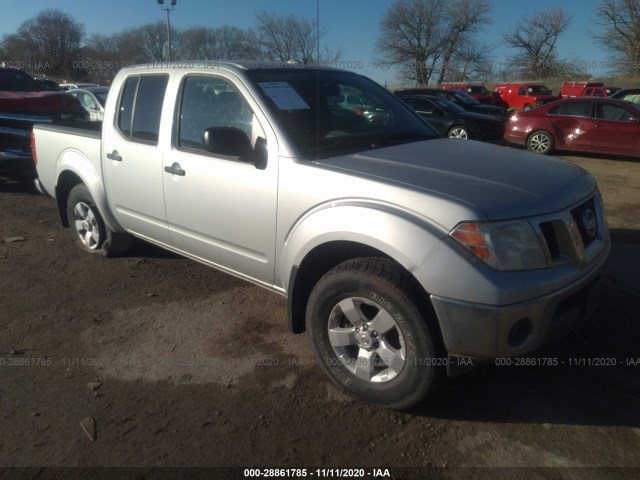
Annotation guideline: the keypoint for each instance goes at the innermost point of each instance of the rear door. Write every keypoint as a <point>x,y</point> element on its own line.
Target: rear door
<point>615,129</point>
<point>571,121</point>
<point>132,160</point>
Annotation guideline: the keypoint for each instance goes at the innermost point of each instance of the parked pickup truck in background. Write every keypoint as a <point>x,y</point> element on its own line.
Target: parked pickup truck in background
<point>402,254</point>
<point>586,89</point>
<point>522,96</point>
<point>23,102</point>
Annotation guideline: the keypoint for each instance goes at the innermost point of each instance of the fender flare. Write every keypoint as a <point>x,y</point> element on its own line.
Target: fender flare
<point>72,161</point>
<point>400,234</point>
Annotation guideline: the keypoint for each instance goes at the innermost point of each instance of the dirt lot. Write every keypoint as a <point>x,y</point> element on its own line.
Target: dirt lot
<point>180,365</point>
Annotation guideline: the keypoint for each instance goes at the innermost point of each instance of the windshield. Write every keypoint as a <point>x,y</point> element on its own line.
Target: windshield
<point>448,105</point>
<point>463,98</point>
<point>102,98</point>
<point>539,90</point>
<point>327,113</point>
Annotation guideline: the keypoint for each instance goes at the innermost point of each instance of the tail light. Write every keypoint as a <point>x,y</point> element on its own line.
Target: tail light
<point>33,150</point>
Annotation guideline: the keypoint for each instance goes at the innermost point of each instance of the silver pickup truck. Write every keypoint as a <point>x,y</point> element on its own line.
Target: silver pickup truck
<point>400,253</point>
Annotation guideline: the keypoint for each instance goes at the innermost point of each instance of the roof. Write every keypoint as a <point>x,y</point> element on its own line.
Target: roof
<point>241,65</point>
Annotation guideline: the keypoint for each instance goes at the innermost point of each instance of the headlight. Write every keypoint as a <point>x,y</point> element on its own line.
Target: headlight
<point>510,245</point>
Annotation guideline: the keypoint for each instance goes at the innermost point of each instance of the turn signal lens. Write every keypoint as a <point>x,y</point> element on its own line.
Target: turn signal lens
<point>510,245</point>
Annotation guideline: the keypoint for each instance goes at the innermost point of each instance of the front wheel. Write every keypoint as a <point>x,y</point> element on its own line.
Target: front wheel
<point>540,142</point>
<point>458,132</point>
<point>370,335</point>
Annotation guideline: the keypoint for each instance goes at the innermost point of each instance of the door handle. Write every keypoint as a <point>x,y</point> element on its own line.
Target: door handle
<point>114,156</point>
<point>175,169</point>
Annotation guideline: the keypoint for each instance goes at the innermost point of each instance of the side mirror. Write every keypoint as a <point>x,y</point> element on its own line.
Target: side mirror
<point>228,141</point>
<point>233,142</point>
<point>634,120</point>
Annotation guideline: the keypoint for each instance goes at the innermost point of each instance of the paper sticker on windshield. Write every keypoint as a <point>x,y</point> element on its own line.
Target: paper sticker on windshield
<point>284,96</point>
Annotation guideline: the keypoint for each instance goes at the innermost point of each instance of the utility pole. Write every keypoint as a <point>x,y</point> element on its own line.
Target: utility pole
<point>168,9</point>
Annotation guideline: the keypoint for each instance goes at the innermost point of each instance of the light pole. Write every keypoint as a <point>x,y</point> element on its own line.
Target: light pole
<point>168,9</point>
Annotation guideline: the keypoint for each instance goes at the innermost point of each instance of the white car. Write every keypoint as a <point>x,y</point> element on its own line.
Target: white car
<point>92,100</point>
<point>72,86</point>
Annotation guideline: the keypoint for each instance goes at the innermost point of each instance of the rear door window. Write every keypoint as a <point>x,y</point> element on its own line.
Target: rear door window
<point>613,113</point>
<point>140,107</point>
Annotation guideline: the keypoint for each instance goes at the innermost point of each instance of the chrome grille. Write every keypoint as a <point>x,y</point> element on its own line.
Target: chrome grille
<point>575,235</point>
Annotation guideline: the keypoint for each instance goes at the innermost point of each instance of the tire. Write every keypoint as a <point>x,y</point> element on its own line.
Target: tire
<point>370,335</point>
<point>88,228</point>
<point>541,142</point>
<point>458,131</point>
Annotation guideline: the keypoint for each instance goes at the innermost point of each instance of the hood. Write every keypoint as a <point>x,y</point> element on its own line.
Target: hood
<point>44,102</point>
<point>499,183</point>
<point>479,116</point>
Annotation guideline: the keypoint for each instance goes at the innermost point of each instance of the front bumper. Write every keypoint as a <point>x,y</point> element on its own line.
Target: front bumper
<point>486,331</point>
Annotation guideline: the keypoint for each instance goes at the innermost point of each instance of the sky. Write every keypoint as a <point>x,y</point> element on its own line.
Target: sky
<point>351,25</point>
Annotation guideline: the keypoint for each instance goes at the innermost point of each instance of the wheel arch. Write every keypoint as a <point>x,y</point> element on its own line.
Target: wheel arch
<point>70,176</point>
<point>307,256</point>
<point>553,144</point>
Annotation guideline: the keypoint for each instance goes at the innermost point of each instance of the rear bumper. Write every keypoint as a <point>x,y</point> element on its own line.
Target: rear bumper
<point>15,155</point>
<point>40,187</point>
<point>486,331</point>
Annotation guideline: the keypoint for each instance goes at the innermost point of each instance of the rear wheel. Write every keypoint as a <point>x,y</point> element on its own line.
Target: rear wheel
<point>540,141</point>
<point>88,228</point>
<point>370,334</point>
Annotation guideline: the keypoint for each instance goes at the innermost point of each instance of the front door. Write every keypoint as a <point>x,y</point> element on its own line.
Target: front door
<point>220,209</point>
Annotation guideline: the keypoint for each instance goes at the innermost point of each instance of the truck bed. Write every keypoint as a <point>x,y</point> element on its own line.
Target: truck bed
<point>81,141</point>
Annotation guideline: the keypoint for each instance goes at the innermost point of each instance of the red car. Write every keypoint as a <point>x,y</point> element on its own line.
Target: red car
<point>585,124</point>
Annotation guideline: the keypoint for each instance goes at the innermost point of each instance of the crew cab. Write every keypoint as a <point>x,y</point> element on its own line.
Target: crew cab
<point>523,96</point>
<point>586,89</point>
<point>399,252</point>
<point>23,102</point>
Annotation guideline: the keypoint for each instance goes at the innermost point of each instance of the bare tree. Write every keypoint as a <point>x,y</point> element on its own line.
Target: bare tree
<point>291,38</point>
<point>411,37</point>
<point>153,40</point>
<point>424,37</point>
<point>49,43</point>
<point>472,62</point>
<point>224,43</point>
<point>535,39</point>
<point>462,18</point>
<point>620,34</point>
